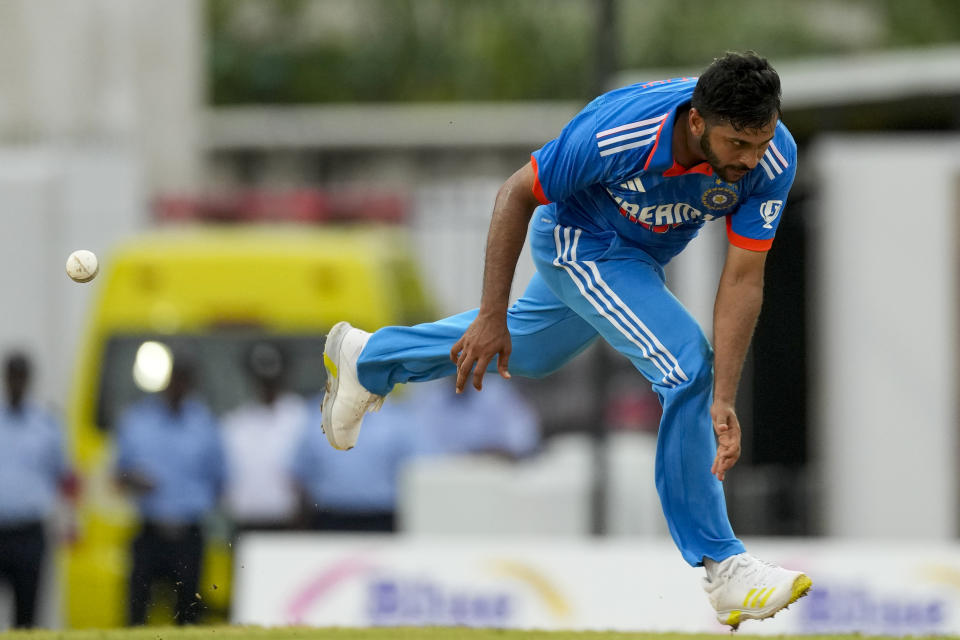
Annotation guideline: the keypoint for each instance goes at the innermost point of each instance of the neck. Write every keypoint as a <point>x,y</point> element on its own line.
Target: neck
<point>686,150</point>
<point>269,396</point>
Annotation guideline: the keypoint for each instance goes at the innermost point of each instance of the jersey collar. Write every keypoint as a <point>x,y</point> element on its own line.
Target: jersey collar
<point>661,158</point>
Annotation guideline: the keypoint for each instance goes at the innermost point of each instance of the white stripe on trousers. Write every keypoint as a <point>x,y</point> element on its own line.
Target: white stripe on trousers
<point>637,333</point>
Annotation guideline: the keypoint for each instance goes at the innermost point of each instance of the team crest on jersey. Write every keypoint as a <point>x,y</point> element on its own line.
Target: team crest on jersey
<point>769,211</point>
<point>719,198</point>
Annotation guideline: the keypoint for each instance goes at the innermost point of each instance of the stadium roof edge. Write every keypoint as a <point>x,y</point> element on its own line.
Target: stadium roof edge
<point>808,83</point>
<point>392,125</point>
<point>849,79</point>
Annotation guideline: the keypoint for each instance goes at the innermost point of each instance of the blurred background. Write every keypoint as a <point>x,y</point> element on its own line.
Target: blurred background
<point>251,171</point>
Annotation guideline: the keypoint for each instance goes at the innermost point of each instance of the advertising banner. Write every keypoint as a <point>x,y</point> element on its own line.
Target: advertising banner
<point>364,581</point>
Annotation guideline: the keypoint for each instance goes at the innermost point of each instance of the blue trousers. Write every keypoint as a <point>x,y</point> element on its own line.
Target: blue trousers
<point>590,285</point>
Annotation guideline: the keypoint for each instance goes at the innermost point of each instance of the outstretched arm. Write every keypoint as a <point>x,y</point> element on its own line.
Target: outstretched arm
<point>487,336</point>
<point>739,297</point>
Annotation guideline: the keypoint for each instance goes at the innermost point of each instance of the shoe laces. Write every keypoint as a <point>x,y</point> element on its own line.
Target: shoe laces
<point>746,567</point>
<point>755,570</point>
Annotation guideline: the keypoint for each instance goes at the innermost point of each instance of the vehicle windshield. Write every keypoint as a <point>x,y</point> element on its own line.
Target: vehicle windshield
<point>135,365</point>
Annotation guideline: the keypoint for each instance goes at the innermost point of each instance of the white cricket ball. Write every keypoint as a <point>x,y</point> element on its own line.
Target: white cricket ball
<point>82,266</point>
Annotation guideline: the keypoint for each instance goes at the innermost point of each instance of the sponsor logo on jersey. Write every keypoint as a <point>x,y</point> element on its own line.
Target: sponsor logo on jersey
<point>659,218</point>
<point>719,198</point>
<point>769,211</point>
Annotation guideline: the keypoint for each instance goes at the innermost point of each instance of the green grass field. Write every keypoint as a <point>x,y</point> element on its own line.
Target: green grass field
<point>434,633</point>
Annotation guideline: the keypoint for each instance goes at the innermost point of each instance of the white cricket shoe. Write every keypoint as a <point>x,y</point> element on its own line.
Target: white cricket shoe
<point>745,588</point>
<point>346,401</point>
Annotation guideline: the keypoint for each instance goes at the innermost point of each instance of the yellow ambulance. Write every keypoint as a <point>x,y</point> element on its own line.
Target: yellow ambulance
<point>216,289</point>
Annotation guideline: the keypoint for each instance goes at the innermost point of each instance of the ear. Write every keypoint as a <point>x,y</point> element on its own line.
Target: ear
<point>696,122</point>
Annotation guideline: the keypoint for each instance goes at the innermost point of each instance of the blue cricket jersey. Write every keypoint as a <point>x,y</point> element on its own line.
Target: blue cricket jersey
<point>612,169</point>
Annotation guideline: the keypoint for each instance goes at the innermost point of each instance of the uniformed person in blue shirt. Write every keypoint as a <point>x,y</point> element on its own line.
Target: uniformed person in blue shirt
<point>622,190</point>
<point>33,470</point>
<point>170,457</point>
<point>358,491</point>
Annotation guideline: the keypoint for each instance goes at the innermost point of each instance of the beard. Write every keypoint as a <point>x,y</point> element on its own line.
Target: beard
<point>728,172</point>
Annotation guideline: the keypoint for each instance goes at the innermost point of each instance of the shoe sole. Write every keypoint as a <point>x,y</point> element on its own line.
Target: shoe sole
<point>800,588</point>
<point>332,364</point>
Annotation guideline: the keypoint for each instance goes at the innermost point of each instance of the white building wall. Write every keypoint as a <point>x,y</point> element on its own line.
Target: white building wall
<point>450,223</point>
<point>52,201</point>
<point>99,111</point>
<point>885,374</point>
<point>97,70</point>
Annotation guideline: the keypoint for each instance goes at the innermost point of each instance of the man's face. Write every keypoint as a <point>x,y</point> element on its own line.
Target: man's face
<point>733,153</point>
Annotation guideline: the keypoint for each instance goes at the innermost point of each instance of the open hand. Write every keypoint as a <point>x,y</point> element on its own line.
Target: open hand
<point>486,337</point>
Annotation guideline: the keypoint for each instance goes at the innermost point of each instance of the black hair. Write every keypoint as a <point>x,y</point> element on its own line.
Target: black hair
<point>17,363</point>
<point>740,89</point>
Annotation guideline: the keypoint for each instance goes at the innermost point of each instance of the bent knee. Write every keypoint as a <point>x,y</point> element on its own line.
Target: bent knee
<point>697,364</point>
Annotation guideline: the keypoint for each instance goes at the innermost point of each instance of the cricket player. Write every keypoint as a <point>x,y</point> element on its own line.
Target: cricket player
<point>607,204</point>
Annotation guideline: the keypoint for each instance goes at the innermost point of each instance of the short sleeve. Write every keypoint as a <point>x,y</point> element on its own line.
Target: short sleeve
<point>755,223</point>
<point>571,161</point>
<point>611,139</point>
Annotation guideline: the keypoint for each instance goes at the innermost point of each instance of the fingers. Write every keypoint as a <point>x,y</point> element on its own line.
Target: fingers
<point>464,365</point>
<point>455,351</point>
<point>479,370</point>
<point>727,452</point>
<point>721,465</point>
<point>478,377</point>
<point>727,429</point>
<point>502,362</point>
<point>471,353</point>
